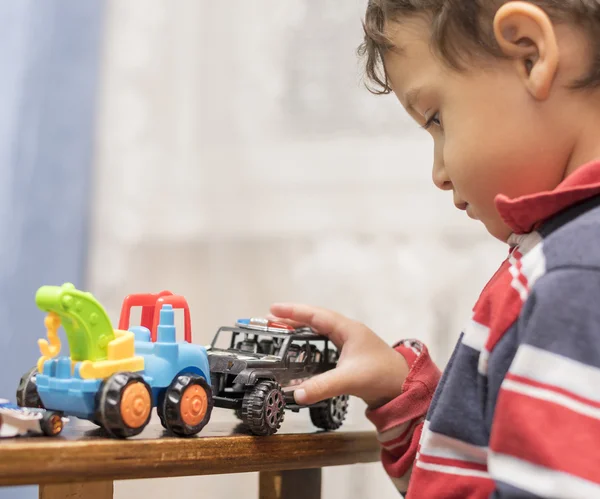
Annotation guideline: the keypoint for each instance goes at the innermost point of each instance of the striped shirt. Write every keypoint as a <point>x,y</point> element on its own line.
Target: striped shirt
<point>516,412</point>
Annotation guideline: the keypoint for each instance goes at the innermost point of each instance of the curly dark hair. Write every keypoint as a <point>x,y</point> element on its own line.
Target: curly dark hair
<point>464,28</point>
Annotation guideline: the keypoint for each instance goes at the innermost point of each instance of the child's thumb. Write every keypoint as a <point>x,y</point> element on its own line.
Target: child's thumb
<point>320,387</point>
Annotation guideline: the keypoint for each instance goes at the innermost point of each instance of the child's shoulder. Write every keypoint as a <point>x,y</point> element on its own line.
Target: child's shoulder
<point>552,272</point>
<point>562,274</point>
<point>559,316</point>
<point>571,239</point>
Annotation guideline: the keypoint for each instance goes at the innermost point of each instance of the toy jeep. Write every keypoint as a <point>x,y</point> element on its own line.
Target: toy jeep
<point>255,365</point>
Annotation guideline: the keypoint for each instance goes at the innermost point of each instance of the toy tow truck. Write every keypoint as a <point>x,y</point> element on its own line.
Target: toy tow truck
<point>115,378</point>
<point>255,366</point>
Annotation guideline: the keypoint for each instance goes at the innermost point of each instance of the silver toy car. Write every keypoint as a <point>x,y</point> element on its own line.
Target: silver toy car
<point>25,421</point>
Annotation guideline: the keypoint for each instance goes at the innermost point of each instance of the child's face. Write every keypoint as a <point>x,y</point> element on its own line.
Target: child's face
<point>490,135</point>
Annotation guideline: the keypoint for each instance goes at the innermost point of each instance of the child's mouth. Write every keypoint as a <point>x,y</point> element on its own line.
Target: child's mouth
<point>464,206</point>
<point>470,212</point>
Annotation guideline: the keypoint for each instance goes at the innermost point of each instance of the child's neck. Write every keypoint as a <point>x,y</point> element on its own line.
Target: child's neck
<point>587,144</point>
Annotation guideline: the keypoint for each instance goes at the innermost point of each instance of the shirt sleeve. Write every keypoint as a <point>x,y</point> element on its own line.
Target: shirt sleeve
<point>399,422</point>
<point>545,431</point>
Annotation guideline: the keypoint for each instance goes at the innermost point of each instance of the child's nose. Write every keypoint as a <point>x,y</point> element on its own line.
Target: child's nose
<point>440,177</point>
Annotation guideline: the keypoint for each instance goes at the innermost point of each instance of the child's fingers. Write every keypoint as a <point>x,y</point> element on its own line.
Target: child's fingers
<point>325,321</point>
<point>321,387</point>
<point>290,322</point>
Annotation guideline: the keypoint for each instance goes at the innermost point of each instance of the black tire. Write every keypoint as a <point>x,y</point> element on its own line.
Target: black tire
<point>263,408</point>
<point>238,414</point>
<point>331,415</point>
<point>27,394</point>
<point>173,410</point>
<point>161,416</point>
<point>109,410</point>
<point>51,423</point>
<point>159,404</point>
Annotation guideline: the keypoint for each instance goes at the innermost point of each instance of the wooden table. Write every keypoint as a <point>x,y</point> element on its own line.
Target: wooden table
<point>83,463</point>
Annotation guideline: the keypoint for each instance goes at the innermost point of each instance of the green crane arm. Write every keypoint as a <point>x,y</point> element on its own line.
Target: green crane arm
<point>83,318</point>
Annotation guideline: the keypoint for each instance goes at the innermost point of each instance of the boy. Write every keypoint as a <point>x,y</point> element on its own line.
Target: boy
<point>509,91</point>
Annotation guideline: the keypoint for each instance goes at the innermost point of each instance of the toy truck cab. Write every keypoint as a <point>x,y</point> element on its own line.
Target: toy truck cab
<point>115,377</point>
<point>151,304</point>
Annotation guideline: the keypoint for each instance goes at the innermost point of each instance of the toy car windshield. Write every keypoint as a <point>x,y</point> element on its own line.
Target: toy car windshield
<point>247,340</point>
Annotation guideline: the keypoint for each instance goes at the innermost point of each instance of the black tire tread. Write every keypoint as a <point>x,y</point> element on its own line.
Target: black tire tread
<point>253,406</point>
<point>27,394</point>
<point>108,401</point>
<point>322,418</point>
<point>169,413</point>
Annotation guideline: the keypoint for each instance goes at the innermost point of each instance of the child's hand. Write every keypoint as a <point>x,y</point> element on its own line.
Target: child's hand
<point>367,368</point>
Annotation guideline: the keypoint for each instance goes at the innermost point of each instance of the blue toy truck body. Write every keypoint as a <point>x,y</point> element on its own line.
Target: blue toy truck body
<point>61,387</point>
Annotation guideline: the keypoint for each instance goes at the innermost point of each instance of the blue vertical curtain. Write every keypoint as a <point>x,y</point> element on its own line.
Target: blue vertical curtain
<point>49,65</point>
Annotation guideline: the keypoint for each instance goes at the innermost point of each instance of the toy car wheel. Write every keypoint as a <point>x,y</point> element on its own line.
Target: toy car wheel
<point>51,424</point>
<point>124,404</point>
<point>331,415</point>
<point>238,414</point>
<point>187,405</point>
<point>263,408</point>
<point>27,394</point>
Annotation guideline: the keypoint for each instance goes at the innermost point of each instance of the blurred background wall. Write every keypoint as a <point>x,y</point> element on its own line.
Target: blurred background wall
<point>49,62</point>
<point>237,159</point>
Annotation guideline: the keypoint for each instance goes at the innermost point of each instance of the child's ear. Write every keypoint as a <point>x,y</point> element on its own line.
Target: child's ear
<point>526,34</point>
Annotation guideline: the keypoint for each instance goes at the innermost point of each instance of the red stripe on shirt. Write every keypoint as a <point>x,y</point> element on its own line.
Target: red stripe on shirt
<point>491,283</point>
<point>546,434</point>
<point>523,280</point>
<point>498,307</point>
<point>518,264</point>
<point>398,440</point>
<point>431,484</point>
<point>414,401</point>
<point>504,312</point>
<point>398,467</point>
<point>562,391</point>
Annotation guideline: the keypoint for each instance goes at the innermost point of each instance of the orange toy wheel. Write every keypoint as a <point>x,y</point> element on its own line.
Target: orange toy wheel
<point>124,404</point>
<point>187,405</point>
<point>194,405</point>
<point>52,424</point>
<point>135,404</point>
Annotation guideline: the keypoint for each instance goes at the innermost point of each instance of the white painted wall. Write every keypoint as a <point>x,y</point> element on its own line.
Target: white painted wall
<point>241,162</point>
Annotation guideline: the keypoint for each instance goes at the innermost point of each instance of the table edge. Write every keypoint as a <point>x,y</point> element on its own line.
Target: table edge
<point>59,461</point>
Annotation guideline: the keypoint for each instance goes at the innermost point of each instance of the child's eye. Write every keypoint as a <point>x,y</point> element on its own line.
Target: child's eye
<point>433,120</point>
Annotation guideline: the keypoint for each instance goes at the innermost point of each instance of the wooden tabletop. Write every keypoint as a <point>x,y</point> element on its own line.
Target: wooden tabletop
<point>83,452</point>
